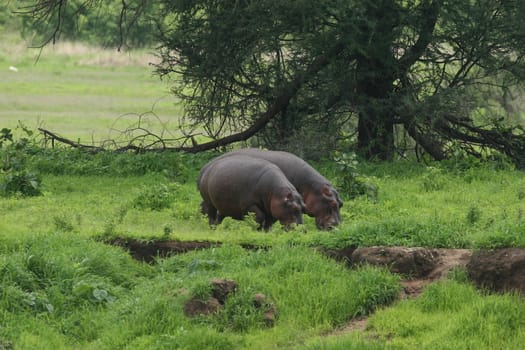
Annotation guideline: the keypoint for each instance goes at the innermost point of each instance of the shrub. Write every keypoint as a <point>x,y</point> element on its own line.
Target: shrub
<point>473,215</point>
<point>350,182</point>
<point>15,177</point>
<point>22,182</point>
<point>156,197</point>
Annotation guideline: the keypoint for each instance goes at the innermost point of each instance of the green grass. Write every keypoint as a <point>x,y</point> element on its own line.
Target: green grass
<point>120,194</point>
<point>62,291</point>
<point>82,93</point>
<point>59,277</point>
<point>62,288</point>
<point>448,315</point>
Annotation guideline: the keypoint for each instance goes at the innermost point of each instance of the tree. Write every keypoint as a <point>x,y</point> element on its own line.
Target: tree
<point>374,69</point>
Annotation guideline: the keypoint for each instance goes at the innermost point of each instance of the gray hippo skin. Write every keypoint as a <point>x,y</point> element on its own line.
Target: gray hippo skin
<point>235,185</point>
<point>321,199</point>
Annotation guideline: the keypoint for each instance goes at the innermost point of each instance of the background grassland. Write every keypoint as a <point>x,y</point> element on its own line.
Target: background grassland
<point>62,288</point>
<point>81,92</point>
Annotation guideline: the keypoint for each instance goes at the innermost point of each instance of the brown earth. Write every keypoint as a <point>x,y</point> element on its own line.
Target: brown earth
<point>498,270</point>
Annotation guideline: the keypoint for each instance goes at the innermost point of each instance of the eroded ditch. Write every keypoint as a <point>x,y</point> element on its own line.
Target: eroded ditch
<point>499,270</point>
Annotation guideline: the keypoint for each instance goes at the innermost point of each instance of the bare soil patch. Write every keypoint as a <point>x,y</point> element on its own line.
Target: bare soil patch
<point>499,270</point>
<point>148,251</point>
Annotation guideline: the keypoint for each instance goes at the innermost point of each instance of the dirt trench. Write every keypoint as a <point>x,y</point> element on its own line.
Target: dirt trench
<point>498,270</point>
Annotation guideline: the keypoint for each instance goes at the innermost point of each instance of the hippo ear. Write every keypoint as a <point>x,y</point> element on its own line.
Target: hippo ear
<point>327,193</point>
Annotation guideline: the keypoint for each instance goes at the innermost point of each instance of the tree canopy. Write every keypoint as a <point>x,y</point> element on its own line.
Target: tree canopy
<point>371,76</point>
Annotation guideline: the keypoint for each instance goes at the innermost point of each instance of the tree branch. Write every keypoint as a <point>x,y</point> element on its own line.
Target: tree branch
<point>278,105</point>
<point>430,14</point>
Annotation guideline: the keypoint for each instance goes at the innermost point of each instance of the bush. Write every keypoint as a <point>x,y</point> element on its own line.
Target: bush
<point>350,182</point>
<point>20,182</point>
<point>433,180</point>
<point>157,197</point>
<point>15,177</point>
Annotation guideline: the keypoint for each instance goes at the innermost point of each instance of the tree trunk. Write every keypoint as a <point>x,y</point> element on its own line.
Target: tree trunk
<point>375,75</point>
<point>375,135</point>
<point>376,120</point>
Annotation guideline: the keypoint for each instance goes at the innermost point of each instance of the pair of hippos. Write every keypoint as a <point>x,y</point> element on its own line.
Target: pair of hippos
<point>274,185</point>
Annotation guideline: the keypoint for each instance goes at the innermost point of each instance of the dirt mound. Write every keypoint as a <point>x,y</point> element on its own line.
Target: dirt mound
<point>498,270</point>
<point>501,270</point>
<point>221,289</point>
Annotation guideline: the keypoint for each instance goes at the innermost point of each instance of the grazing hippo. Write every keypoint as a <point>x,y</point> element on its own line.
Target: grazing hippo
<point>320,197</point>
<point>238,184</point>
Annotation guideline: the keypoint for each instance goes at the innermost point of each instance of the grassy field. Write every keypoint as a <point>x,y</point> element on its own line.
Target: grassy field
<point>62,287</point>
<point>82,93</point>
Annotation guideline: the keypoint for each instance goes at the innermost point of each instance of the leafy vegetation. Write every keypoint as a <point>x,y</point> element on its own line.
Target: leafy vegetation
<point>415,75</point>
<point>61,287</point>
<point>448,315</point>
<point>15,178</point>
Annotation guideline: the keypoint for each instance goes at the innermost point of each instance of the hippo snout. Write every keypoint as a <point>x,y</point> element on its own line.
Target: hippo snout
<point>288,224</point>
<point>326,224</point>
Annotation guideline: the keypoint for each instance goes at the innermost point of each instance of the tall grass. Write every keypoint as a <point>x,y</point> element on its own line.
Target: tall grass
<point>453,315</point>
<point>448,315</point>
<point>479,208</point>
<point>79,293</point>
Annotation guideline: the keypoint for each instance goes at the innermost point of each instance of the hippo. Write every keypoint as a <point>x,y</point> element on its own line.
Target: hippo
<point>321,199</point>
<point>238,184</point>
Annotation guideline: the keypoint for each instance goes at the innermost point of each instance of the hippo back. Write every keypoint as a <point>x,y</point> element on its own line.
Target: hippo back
<point>321,198</point>
<point>237,184</point>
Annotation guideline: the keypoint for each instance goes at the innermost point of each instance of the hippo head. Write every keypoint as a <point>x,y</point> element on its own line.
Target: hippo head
<point>287,206</point>
<point>324,205</point>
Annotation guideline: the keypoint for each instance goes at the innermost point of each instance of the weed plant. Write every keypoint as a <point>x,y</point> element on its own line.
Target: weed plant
<point>15,177</point>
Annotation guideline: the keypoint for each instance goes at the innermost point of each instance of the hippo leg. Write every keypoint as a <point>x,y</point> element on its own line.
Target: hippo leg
<point>211,211</point>
<point>219,218</point>
<point>260,217</point>
<point>268,222</point>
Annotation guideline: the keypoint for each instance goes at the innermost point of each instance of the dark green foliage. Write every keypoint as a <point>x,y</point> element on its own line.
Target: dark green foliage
<point>5,135</point>
<point>16,176</point>
<point>176,166</point>
<point>55,276</point>
<point>94,22</point>
<point>349,181</point>
<point>473,215</point>
<point>20,182</point>
<point>290,73</point>
<point>156,198</point>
